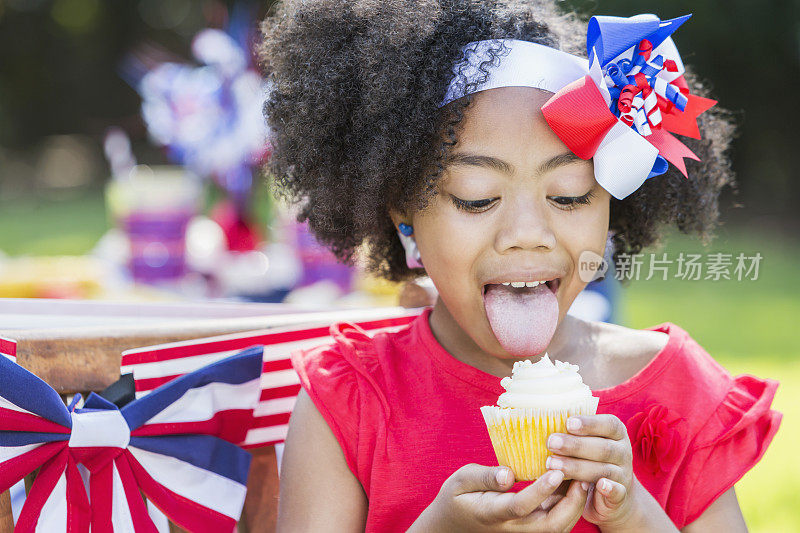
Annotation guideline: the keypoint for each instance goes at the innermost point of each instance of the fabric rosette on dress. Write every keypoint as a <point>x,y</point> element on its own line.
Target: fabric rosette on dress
<point>656,436</point>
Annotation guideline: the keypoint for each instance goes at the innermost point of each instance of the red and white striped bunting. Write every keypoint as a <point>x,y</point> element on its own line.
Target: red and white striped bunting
<point>155,365</point>
<point>8,348</point>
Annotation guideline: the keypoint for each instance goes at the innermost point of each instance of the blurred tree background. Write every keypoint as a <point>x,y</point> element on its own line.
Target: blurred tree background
<point>60,86</point>
<point>63,83</point>
<point>749,55</point>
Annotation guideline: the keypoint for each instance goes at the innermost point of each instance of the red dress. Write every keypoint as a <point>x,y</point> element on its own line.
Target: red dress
<point>406,415</point>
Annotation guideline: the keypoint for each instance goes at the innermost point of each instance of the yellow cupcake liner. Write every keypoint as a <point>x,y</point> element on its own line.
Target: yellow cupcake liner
<point>519,434</point>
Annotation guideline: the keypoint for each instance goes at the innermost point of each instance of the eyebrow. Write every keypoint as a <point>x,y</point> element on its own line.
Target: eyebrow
<point>559,161</point>
<point>477,160</point>
<point>494,163</point>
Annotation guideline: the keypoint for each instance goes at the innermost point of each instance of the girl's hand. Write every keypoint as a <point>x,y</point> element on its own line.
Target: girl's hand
<point>474,499</point>
<point>597,452</point>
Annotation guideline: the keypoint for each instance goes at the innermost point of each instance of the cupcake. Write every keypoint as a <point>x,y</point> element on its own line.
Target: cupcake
<point>538,400</point>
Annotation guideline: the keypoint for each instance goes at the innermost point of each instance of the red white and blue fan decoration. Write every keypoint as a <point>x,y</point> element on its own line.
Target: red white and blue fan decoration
<point>175,445</point>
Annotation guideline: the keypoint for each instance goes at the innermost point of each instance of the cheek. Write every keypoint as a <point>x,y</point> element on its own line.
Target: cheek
<point>586,231</point>
<point>450,244</point>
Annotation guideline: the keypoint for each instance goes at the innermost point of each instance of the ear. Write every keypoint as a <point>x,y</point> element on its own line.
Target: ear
<point>398,217</point>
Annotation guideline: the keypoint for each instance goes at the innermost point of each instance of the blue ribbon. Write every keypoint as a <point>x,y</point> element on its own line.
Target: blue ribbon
<point>608,37</point>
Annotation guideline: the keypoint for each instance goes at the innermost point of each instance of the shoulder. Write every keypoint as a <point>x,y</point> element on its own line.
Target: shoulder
<point>628,347</point>
<point>686,415</point>
<point>615,353</point>
<point>343,381</point>
<point>705,419</point>
<point>666,355</point>
<point>339,363</point>
<point>672,371</point>
<point>314,450</point>
<point>350,350</point>
<point>349,369</point>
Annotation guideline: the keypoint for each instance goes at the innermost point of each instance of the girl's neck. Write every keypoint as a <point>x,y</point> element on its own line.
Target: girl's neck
<point>449,334</point>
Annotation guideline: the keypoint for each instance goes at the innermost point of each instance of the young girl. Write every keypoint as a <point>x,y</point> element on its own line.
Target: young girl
<point>413,138</point>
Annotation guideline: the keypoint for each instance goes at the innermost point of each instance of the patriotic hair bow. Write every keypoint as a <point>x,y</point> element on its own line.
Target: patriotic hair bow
<point>619,108</point>
<point>174,445</point>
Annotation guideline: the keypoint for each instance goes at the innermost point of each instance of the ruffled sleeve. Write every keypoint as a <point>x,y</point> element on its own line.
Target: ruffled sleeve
<point>728,444</point>
<point>340,378</point>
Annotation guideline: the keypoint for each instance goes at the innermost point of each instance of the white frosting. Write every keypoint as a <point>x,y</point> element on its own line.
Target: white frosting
<point>543,384</point>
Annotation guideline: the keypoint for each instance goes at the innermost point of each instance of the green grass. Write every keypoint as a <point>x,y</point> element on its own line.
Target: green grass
<point>747,318</point>
<point>72,224</point>
<point>748,326</point>
<point>767,493</point>
<point>69,225</point>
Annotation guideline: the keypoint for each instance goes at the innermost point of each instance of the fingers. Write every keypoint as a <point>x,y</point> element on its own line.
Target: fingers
<point>600,449</point>
<point>613,493</point>
<point>550,501</point>
<point>514,505</point>
<point>604,425</point>
<point>476,478</point>
<point>554,498</point>
<point>566,513</point>
<point>585,470</point>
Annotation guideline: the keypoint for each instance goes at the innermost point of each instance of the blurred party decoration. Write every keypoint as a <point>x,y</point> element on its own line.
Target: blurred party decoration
<point>52,277</point>
<point>240,236</point>
<point>117,147</point>
<point>318,262</point>
<point>209,116</point>
<point>153,206</point>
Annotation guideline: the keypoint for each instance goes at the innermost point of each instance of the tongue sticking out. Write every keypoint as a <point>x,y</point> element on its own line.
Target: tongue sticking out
<point>524,319</point>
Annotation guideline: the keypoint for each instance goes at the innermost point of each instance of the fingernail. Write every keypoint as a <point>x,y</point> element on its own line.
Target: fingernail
<point>604,485</point>
<point>555,442</point>
<point>503,476</point>
<point>553,463</point>
<point>584,485</point>
<point>554,477</point>
<point>573,423</point>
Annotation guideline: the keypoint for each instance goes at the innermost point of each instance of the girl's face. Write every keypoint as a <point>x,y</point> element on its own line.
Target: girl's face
<point>513,203</point>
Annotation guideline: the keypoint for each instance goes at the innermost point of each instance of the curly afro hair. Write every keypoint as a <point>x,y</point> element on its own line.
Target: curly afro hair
<point>356,129</point>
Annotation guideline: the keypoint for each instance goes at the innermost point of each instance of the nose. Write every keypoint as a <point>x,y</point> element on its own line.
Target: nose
<point>525,225</point>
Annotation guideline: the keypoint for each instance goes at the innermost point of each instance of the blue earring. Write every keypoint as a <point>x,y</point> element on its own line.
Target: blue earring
<point>413,260</point>
<point>405,229</point>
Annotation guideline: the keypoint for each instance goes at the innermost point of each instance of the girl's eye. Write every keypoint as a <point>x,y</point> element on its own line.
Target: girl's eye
<point>569,203</point>
<point>473,206</point>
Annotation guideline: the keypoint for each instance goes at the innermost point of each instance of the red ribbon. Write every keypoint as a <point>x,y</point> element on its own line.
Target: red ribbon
<point>580,117</point>
<point>645,47</point>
